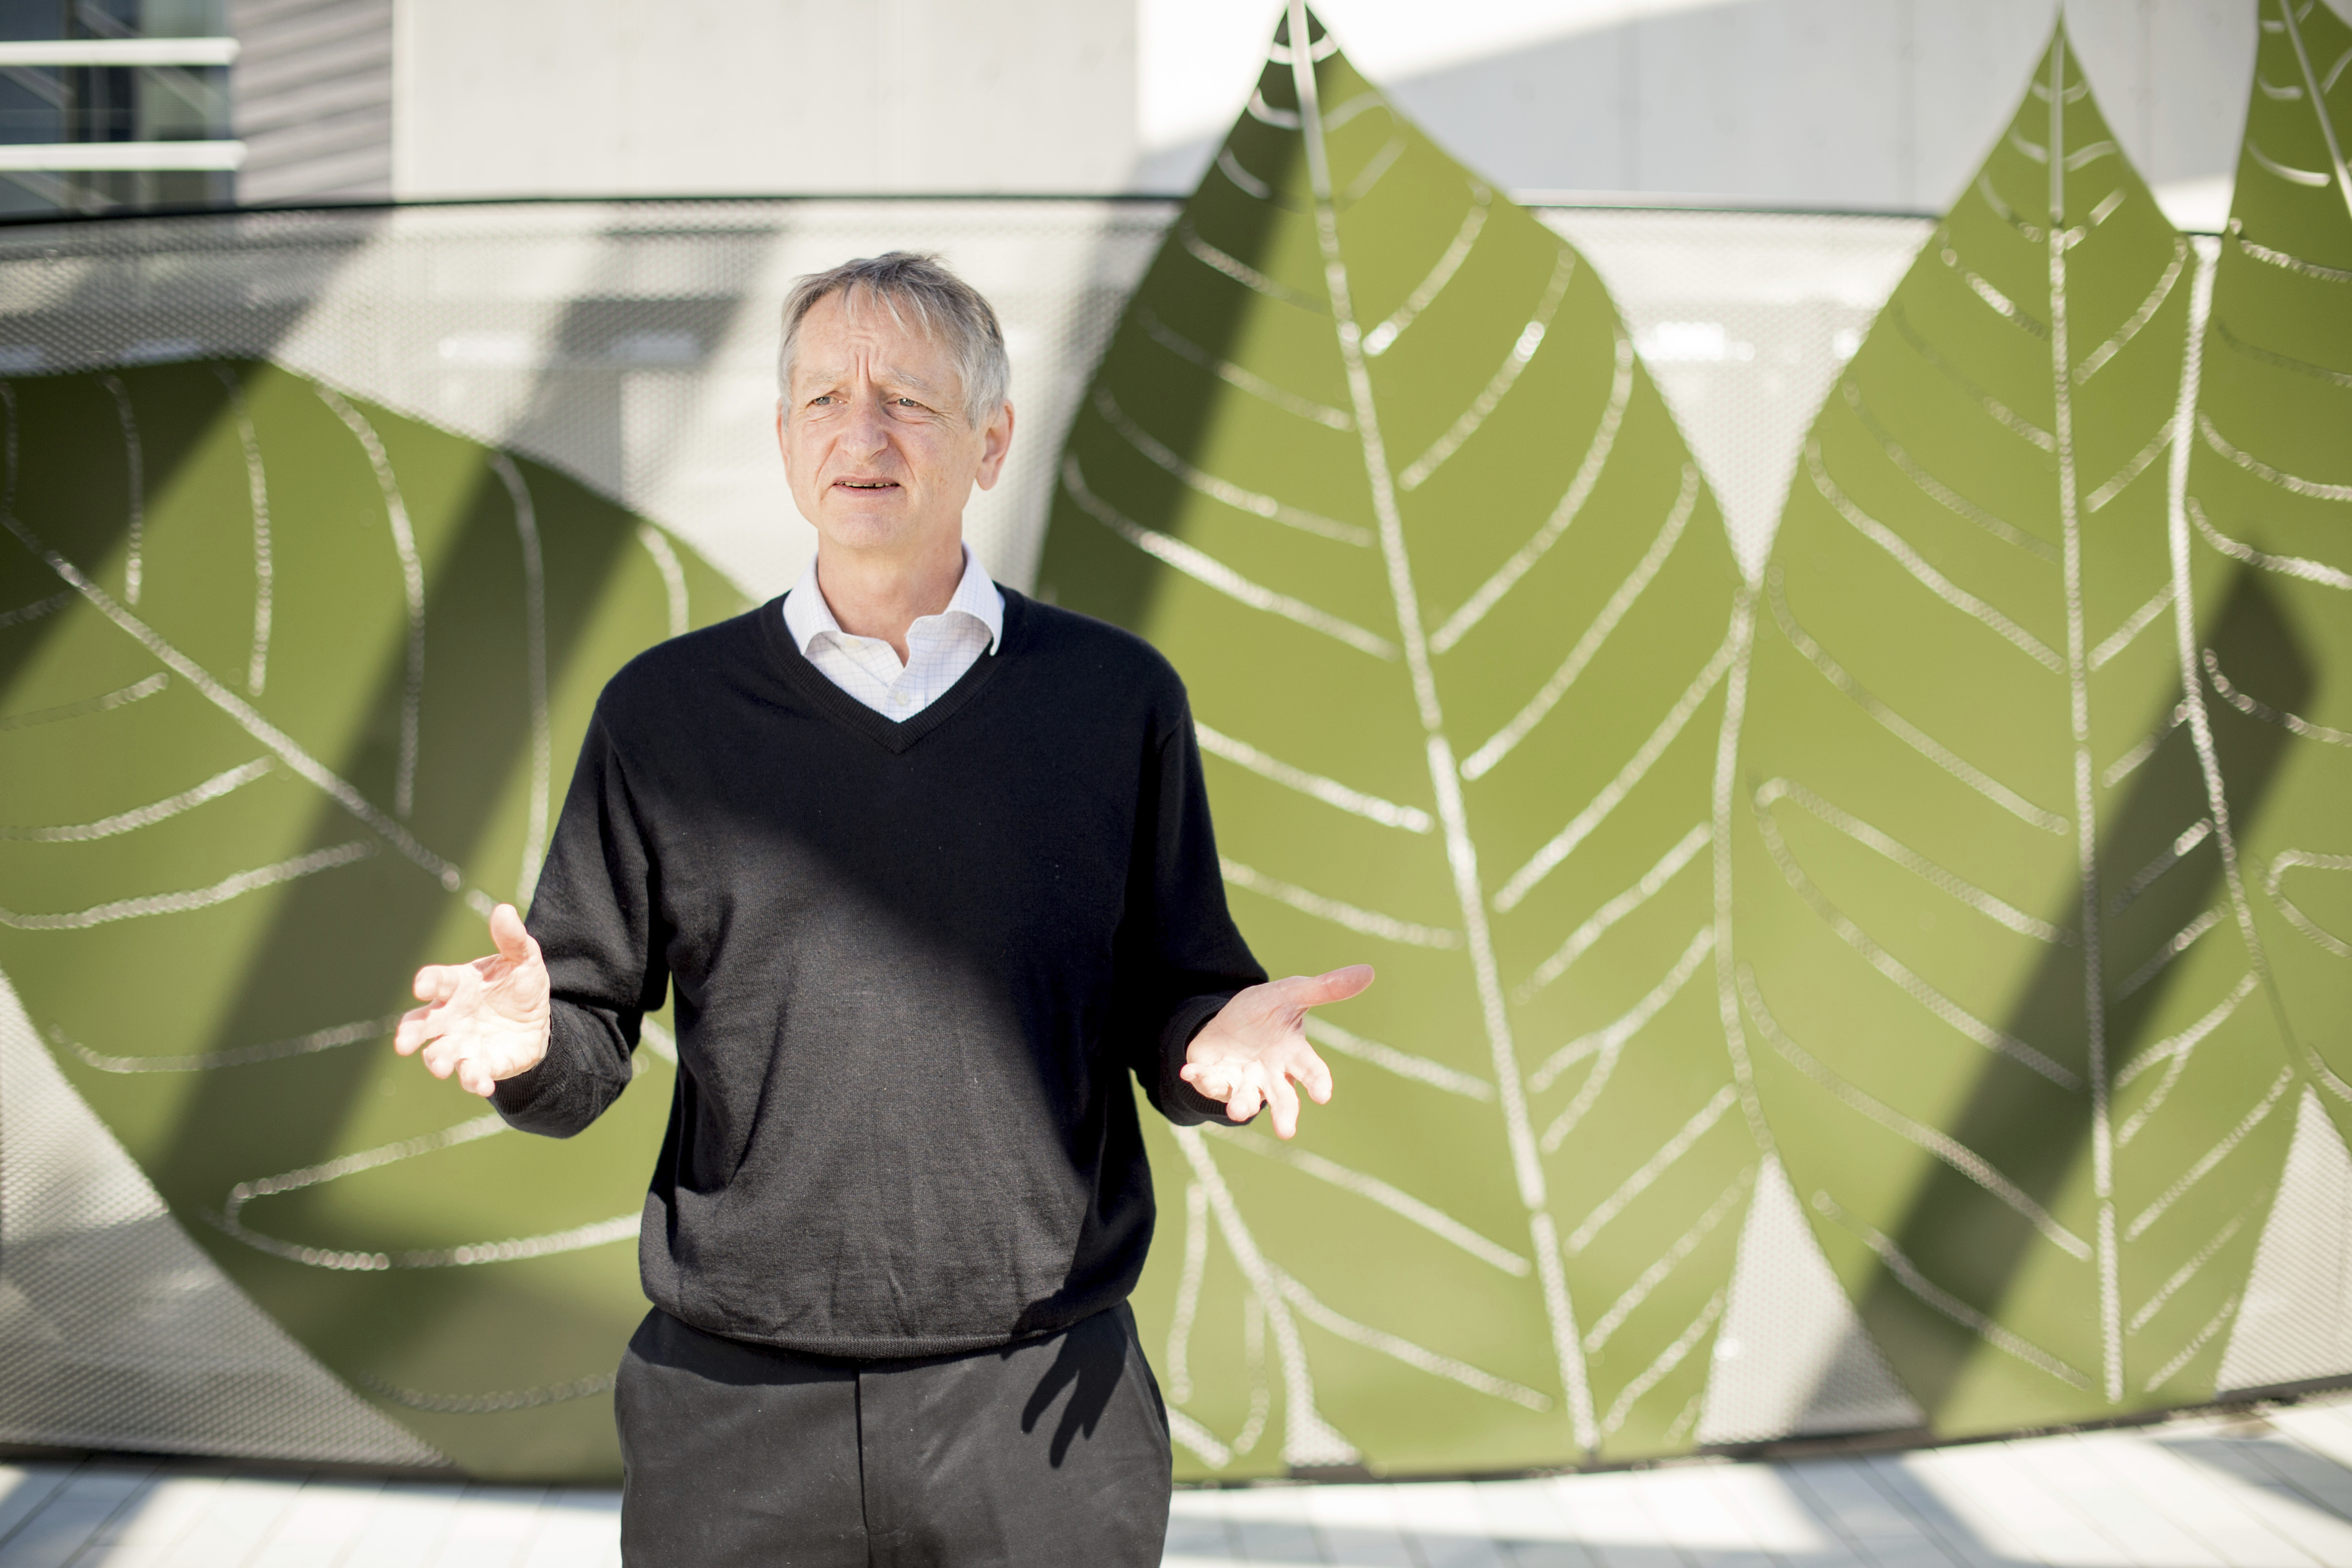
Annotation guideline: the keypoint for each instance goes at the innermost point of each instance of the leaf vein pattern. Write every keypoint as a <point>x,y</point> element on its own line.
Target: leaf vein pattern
<point>1209,485</point>
<point>1420,1069</point>
<point>2238,345</point>
<point>2139,621</point>
<point>1403,1204</point>
<point>2097,358</point>
<point>1906,1274</point>
<point>122,696</point>
<point>1239,271</point>
<point>2175,1061</point>
<point>1701,1123</point>
<point>2189,837</point>
<point>621,1228</point>
<point>2197,1342</point>
<point>1609,1041</point>
<point>37,609</point>
<point>534,626</point>
<point>1580,940</point>
<point>257,487</point>
<point>1916,564</point>
<point>1404,1350</point>
<point>1588,474</point>
<point>1523,349</point>
<point>2000,411</point>
<point>1903,977</point>
<point>1668,1359</point>
<point>232,886</point>
<point>133,456</point>
<point>147,816</point>
<point>1234,375</point>
<point>1205,568</point>
<point>1307,1437</point>
<point>2122,767</point>
<point>1637,766</point>
<point>1673,1257</point>
<point>1379,341</point>
<point>2174,1046</point>
<point>1936,489</point>
<point>318,1039</point>
<point>2122,478</point>
<point>2009,310</point>
<point>1241,753</point>
<point>301,761</point>
<point>2212,1156</point>
<point>2188,1270</point>
<point>1461,850</point>
<point>1370,922</point>
<point>1949,1150</point>
<point>1501,744</point>
<point>2286,860</point>
<point>1911,735</point>
<point>2295,486</point>
<point>2284,565</point>
<point>1774,791</point>
<point>2253,708</point>
<point>412,578</point>
<point>673,576</point>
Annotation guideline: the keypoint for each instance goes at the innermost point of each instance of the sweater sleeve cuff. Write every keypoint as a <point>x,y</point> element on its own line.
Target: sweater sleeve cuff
<point>1185,1105</point>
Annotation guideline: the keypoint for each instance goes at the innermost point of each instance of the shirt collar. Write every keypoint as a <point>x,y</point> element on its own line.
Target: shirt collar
<point>807,614</point>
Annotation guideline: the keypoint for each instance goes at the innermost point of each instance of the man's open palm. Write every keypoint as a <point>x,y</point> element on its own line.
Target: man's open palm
<point>1251,1051</point>
<point>483,1020</point>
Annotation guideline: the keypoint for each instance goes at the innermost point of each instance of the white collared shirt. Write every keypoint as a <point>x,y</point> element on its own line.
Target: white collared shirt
<point>939,648</point>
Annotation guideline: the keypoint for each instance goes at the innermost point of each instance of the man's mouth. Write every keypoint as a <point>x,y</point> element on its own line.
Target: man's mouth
<point>867,484</point>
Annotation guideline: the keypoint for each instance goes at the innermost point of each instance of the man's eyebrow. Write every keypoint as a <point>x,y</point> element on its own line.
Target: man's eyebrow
<point>827,375</point>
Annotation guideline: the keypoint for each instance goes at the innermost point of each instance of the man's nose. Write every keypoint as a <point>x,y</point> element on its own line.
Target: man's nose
<point>869,427</point>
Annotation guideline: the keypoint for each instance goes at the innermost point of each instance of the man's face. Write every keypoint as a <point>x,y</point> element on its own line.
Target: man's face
<point>876,443</point>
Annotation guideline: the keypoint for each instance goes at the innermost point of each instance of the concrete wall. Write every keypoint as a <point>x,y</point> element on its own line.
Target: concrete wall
<point>1873,104</point>
<point>709,97</point>
<point>1883,104</point>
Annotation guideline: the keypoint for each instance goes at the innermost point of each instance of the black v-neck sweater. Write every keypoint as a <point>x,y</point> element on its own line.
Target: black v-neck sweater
<point>914,964</point>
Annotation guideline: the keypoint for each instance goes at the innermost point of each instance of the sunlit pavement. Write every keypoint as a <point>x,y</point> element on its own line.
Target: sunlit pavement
<point>2272,1490</point>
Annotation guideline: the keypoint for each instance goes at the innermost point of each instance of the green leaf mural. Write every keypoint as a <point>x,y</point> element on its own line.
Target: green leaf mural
<point>2264,528</point>
<point>1371,459</point>
<point>2004,1014</point>
<point>288,686</point>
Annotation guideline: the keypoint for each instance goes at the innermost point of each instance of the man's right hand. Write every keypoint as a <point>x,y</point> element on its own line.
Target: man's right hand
<point>484,1020</point>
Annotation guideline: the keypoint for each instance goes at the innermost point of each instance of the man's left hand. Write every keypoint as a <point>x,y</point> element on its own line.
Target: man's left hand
<point>1248,1055</point>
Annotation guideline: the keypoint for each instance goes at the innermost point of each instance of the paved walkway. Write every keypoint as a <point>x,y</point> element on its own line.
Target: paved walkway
<point>2271,1492</point>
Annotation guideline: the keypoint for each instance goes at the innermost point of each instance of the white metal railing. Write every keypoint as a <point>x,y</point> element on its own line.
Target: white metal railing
<point>40,52</point>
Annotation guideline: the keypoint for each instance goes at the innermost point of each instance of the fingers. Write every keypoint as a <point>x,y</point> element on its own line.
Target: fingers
<point>1337,985</point>
<point>439,982</point>
<point>476,1079</point>
<point>1310,1069</point>
<point>1284,1101</point>
<point>416,1026</point>
<point>514,943</point>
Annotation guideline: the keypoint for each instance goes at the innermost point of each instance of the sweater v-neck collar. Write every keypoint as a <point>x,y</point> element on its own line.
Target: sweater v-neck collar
<point>892,735</point>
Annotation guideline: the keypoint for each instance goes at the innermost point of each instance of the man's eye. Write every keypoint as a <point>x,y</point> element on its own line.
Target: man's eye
<point>908,402</point>
<point>820,400</point>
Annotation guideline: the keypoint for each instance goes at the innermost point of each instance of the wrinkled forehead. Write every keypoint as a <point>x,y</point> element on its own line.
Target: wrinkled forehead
<point>885,334</point>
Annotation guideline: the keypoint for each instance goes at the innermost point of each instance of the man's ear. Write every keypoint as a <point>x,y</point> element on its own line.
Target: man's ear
<point>995,441</point>
<point>784,447</point>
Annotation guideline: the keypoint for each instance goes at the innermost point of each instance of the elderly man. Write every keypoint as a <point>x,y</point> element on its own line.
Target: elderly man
<point>930,866</point>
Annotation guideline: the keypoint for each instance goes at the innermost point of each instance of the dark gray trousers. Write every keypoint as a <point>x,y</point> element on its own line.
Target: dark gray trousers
<point>1050,1452</point>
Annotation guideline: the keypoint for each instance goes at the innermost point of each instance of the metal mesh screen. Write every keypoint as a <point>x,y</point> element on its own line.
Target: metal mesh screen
<point>633,345</point>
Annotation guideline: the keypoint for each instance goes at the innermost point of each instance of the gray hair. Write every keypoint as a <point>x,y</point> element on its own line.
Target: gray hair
<point>943,306</point>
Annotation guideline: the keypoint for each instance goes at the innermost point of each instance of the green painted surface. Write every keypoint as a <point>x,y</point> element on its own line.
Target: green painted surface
<point>1454,607</point>
<point>2269,527</point>
<point>2005,1021</point>
<point>203,934</point>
